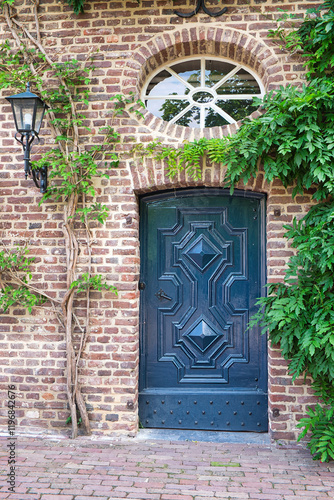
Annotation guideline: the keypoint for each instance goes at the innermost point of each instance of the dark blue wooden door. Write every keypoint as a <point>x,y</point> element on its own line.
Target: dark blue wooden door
<point>202,254</point>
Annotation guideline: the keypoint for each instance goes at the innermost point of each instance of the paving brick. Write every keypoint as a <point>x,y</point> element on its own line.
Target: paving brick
<point>276,474</point>
<point>54,497</point>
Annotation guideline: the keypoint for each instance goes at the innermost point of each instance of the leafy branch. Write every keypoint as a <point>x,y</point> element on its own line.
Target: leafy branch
<point>95,282</point>
<point>15,277</point>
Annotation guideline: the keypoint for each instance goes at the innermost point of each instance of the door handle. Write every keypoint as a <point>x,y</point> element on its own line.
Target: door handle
<point>162,295</point>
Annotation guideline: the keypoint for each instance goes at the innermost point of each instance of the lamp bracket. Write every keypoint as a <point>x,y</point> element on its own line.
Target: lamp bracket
<point>39,175</point>
<point>26,139</point>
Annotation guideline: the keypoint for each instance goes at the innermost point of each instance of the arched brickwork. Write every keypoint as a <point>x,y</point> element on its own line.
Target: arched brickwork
<point>192,40</point>
<point>150,175</point>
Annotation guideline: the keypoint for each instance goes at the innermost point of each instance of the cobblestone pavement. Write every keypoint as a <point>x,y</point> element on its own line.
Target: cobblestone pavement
<point>87,468</point>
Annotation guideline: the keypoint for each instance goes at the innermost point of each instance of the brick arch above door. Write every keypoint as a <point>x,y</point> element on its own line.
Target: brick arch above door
<point>149,175</point>
<point>194,40</point>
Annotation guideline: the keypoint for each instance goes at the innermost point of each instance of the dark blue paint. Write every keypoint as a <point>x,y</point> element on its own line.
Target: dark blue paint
<point>202,257</point>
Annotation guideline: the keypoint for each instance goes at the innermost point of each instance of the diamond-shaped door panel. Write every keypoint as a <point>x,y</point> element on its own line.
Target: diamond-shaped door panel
<point>202,253</point>
<point>202,335</point>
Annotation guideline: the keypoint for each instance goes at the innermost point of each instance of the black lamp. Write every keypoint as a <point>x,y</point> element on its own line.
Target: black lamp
<point>28,110</point>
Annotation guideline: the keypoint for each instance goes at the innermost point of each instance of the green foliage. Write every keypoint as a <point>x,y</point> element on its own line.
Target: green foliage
<point>320,423</point>
<point>122,102</point>
<point>286,32</point>
<point>96,211</point>
<point>86,282</point>
<point>293,140</point>
<point>317,37</point>
<point>69,420</point>
<point>314,38</point>
<point>16,260</point>
<point>71,169</point>
<point>20,296</point>
<point>77,5</point>
<point>14,72</point>
<point>299,313</point>
<point>73,174</point>
<point>188,158</point>
<point>16,264</point>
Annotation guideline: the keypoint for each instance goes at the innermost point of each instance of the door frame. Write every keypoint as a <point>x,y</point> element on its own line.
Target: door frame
<point>191,192</point>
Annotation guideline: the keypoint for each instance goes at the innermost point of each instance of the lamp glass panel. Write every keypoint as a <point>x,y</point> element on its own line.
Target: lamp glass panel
<point>23,110</point>
<point>40,108</point>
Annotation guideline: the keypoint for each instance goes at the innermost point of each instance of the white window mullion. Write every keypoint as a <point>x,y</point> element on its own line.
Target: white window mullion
<point>187,84</point>
<point>177,96</point>
<point>203,72</point>
<point>233,97</point>
<point>202,117</point>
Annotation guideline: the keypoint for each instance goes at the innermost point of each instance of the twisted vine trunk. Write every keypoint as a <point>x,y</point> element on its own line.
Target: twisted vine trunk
<point>75,398</point>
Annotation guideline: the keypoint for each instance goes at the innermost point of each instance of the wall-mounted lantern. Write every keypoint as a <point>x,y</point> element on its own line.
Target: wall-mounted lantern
<point>28,110</point>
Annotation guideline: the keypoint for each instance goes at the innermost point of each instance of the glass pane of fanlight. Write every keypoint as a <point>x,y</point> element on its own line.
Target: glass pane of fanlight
<point>191,118</point>
<point>214,119</point>
<point>164,84</point>
<point>154,106</point>
<point>240,83</point>
<point>215,71</point>
<point>190,71</point>
<point>237,108</point>
<point>202,97</point>
<point>166,109</point>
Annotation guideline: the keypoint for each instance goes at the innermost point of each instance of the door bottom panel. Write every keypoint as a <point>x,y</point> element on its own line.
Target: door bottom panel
<point>228,411</point>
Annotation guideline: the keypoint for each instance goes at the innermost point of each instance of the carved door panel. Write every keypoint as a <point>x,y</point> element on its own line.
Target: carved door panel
<point>202,254</point>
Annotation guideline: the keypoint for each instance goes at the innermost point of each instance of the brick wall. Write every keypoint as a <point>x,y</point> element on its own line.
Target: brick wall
<point>133,39</point>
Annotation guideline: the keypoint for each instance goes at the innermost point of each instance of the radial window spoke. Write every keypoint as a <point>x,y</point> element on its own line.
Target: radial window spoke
<point>183,112</point>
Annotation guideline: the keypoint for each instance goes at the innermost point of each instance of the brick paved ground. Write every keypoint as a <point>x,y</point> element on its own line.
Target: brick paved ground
<point>162,470</point>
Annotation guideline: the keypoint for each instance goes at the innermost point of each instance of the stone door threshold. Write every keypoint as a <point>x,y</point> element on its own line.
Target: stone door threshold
<point>206,436</point>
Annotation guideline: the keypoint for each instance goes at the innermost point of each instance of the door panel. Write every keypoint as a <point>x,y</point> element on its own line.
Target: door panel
<point>202,257</point>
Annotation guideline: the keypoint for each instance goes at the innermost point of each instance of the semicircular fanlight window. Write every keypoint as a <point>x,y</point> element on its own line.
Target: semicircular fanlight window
<point>202,92</point>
